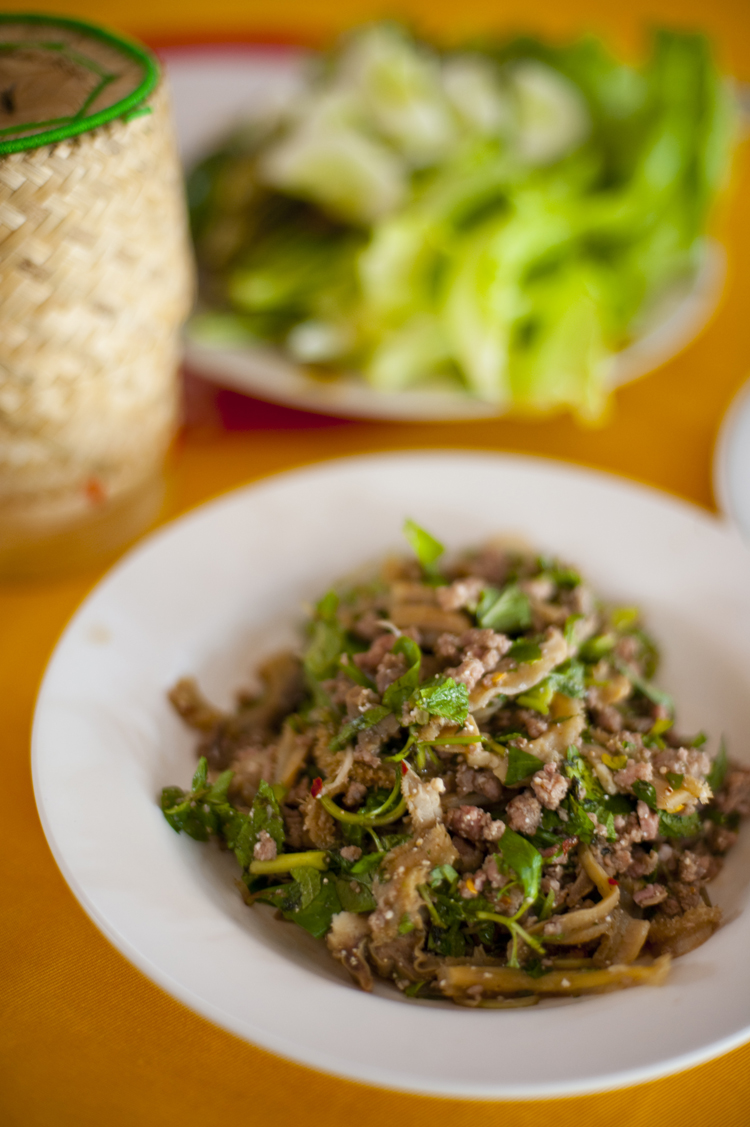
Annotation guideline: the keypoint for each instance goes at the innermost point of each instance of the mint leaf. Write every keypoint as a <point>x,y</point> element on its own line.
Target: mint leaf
<point>294,903</point>
<point>445,697</point>
<point>520,765</point>
<point>265,815</point>
<point>525,861</point>
<point>200,778</point>
<point>308,880</point>
<point>426,548</point>
<point>504,611</point>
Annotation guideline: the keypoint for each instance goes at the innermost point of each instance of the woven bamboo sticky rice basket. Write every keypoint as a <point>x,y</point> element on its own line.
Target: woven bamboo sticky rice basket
<point>95,282</point>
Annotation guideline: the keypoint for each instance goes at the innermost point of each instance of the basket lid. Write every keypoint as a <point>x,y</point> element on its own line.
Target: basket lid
<point>61,77</point>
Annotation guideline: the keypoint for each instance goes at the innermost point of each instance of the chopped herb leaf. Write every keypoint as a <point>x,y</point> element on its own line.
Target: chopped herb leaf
<point>327,642</point>
<point>205,811</point>
<point>443,873</point>
<point>403,687</point>
<point>595,648</point>
<point>569,629</point>
<point>617,804</point>
<point>569,679</point>
<point>523,651</point>
<point>526,862</point>
<point>314,915</point>
<point>355,895</point>
<point>679,825</point>
<point>646,792</point>
<point>579,824</point>
<point>579,770</point>
<point>547,905</point>
<point>360,723</point>
<point>354,673</point>
<point>624,618</point>
<point>309,885</point>
<point>507,611</point>
<point>562,576</point>
<point>675,780</point>
<point>426,548</point>
<point>444,697</point>
<point>614,762</point>
<point>405,925</point>
<point>657,696</point>
<point>539,698</point>
<point>520,765</point>
<point>719,768</point>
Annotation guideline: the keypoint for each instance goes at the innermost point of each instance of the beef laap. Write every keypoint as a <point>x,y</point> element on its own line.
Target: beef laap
<point>467,782</point>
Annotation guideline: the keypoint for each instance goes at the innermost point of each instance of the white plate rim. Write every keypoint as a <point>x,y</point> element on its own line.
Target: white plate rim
<point>374,1074</point>
<point>728,451</point>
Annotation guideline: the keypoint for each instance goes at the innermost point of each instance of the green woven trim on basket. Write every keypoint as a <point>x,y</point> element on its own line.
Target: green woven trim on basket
<point>62,128</point>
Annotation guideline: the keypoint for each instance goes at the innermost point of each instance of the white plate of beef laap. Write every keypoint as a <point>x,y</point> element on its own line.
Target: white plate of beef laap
<point>551,831</point>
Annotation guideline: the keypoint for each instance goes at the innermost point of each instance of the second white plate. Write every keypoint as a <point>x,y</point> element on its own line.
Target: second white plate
<point>214,89</point>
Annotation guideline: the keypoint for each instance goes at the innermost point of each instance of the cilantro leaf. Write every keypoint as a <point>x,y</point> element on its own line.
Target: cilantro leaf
<point>402,688</point>
<point>359,723</point>
<point>506,610</point>
<point>426,548</point>
<point>719,768</point>
<point>445,697</point>
<point>679,825</point>
<point>525,861</point>
<point>521,764</point>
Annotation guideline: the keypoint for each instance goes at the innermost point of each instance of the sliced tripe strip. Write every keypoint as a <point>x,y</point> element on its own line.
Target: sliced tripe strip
<point>511,678</point>
<point>456,980</point>
<point>624,942</point>
<point>567,720</point>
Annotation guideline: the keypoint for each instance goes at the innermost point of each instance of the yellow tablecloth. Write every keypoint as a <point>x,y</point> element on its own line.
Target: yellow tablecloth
<point>86,1040</point>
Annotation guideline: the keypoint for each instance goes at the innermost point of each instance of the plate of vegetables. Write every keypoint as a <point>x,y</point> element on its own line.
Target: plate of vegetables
<point>462,841</point>
<point>400,230</point>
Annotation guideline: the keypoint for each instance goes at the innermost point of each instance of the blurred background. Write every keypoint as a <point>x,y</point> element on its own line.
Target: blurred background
<point>661,429</point>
